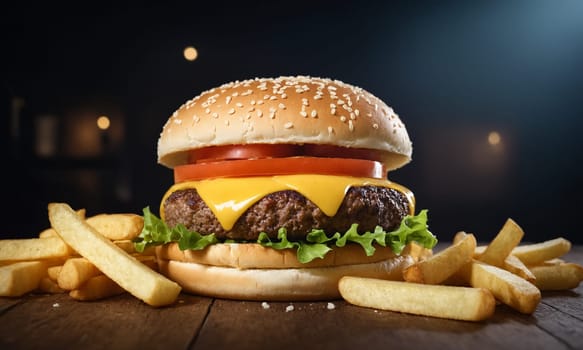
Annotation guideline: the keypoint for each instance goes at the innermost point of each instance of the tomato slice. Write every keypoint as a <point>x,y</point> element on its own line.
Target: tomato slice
<point>258,151</point>
<point>313,150</point>
<point>251,151</point>
<point>280,166</point>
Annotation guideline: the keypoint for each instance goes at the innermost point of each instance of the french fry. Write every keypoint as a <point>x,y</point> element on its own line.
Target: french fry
<point>503,244</point>
<point>535,254</point>
<point>460,303</point>
<point>47,285</point>
<point>148,260</point>
<point>552,262</point>
<point>129,247</point>
<point>21,277</point>
<point>411,249</point>
<point>479,250</point>
<point>33,249</point>
<point>98,287</point>
<point>50,232</point>
<point>557,277</point>
<point>442,265</point>
<point>517,267</point>
<point>53,272</point>
<point>117,226</point>
<point>75,272</point>
<point>126,245</point>
<point>507,287</point>
<point>459,236</point>
<point>133,276</point>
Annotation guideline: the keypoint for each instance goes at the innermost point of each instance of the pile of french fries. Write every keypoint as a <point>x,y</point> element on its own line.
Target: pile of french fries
<point>465,281</point>
<point>90,258</point>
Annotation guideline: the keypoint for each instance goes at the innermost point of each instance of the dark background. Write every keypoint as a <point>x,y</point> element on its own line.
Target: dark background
<point>453,71</point>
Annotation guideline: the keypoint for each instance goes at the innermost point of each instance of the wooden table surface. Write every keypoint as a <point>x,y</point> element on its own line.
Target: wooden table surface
<point>124,322</point>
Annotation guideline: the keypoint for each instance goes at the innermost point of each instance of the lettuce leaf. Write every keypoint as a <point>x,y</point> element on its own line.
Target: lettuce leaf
<point>316,245</point>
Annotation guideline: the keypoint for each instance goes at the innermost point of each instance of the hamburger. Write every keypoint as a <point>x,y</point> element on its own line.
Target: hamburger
<point>281,189</point>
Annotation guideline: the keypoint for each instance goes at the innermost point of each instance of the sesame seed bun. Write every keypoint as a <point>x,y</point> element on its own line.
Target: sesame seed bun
<point>285,110</point>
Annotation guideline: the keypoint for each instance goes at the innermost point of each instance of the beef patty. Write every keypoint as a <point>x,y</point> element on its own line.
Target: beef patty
<point>367,205</point>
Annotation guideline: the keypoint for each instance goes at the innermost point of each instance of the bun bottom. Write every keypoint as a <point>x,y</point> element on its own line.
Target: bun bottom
<point>290,284</point>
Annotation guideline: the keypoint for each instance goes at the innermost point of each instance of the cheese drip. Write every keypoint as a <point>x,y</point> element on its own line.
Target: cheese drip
<point>229,198</point>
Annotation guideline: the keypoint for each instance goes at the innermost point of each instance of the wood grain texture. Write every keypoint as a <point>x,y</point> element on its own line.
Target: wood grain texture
<point>124,322</point>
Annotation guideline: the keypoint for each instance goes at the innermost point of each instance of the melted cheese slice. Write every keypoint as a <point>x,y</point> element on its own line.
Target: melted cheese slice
<point>229,198</point>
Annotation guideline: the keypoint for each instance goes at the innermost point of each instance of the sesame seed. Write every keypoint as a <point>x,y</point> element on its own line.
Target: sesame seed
<point>305,102</point>
<point>283,95</point>
<point>253,102</point>
<point>251,109</point>
<point>342,118</point>
<point>232,111</point>
<point>259,113</point>
<point>350,125</point>
<point>303,114</point>
<point>330,130</point>
<point>227,122</point>
<point>318,97</point>
<point>352,116</point>
<point>356,112</point>
<point>215,115</point>
<point>228,99</point>
<point>281,106</point>
<point>177,121</point>
<point>265,305</point>
<point>239,104</point>
<point>260,102</point>
<point>266,97</point>
<point>289,308</point>
<point>273,97</point>
<point>330,306</point>
<point>375,126</point>
<point>314,113</point>
<point>333,111</point>
<point>288,125</point>
<point>340,102</point>
<point>207,111</point>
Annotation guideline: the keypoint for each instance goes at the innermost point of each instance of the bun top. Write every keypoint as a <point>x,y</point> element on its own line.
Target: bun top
<point>285,110</point>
